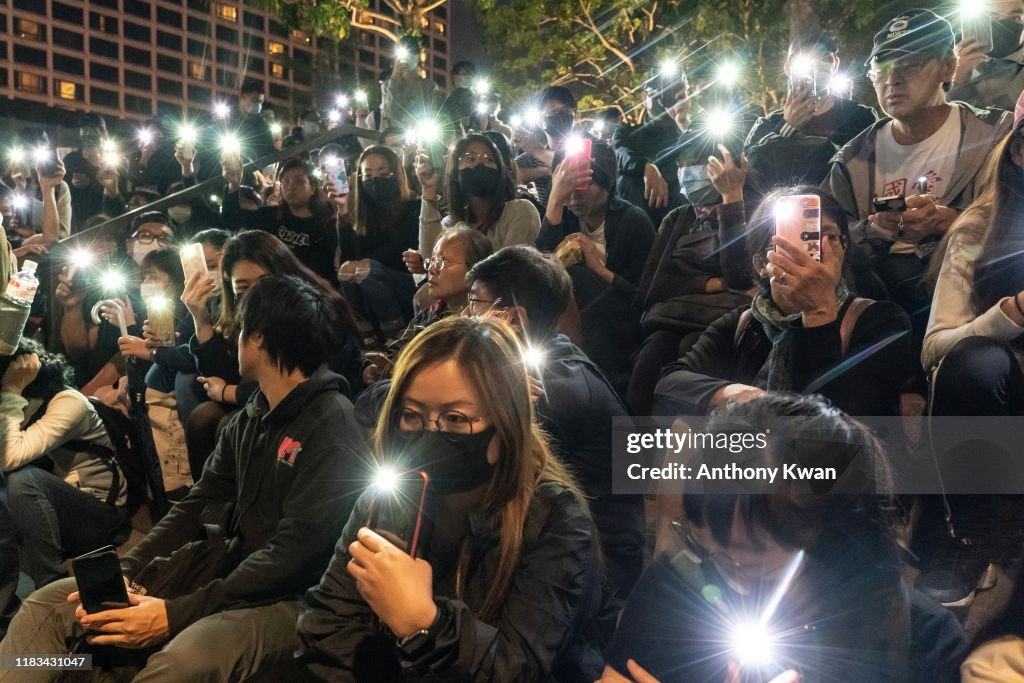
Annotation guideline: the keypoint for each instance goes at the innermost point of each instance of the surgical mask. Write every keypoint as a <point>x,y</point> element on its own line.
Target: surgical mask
<point>380,189</point>
<point>1006,35</point>
<point>139,250</point>
<point>479,180</point>
<point>558,125</point>
<point>151,290</point>
<point>255,108</point>
<point>455,463</point>
<point>180,214</point>
<point>310,128</point>
<point>695,185</point>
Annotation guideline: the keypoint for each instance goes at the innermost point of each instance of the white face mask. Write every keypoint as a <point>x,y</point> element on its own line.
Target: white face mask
<point>151,290</point>
<point>180,214</point>
<point>140,250</point>
<point>310,128</point>
<point>255,108</point>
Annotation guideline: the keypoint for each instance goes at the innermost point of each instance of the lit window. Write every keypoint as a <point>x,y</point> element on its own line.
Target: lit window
<point>67,90</point>
<point>29,82</point>
<point>300,37</point>
<point>227,12</point>
<point>277,71</point>
<point>276,48</point>
<point>440,27</point>
<point>197,71</point>
<point>27,29</point>
<point>424,22</point>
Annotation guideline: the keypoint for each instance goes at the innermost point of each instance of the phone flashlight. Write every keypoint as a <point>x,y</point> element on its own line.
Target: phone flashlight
<point>728,73</point>
<point>342,101</point>
<point>221,110</point>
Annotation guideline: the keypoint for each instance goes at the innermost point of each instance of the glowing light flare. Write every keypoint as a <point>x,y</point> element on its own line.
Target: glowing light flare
<point>187,134</point>
<point>534,357</point>
<point>533,117</point>
<point>668,68</point>
<point>801,65</point>
<point>41,154</point>
<point>482,108</point>
<point>111,159</point>
<point>973,9</point>
<point>729,73</point>
<point>144,136</point>
<point>331,162</point>
<point>402,53</point>
<point>19,202</point>
<point>17,155</point>
<point>598,126</point>
<point>221,110</point>
<point>341,101</point>
<point>362,97</point>
<point>516,121</point>
<point>108,145</point>
<point>113,281</point>
<point>82,258</point>
<point>214,199</point>
<point>230,144</point>
<point>424,131</point>
<point>841,84</point>
<point>573,145</point>
<point>481,86</point>
<point>276,129</point>
<point>720,123</point>
<point>334,116</point>
<point>385,480</point>
<point>752,644</point>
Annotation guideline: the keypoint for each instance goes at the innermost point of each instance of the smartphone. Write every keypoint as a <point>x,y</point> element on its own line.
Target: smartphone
<point>48,166</point>
<point>339,179</point>
<point>100,582</point>
<point>581,158</point>
<point>397,512</point>
<point>798,219</point>
<point>893,202</point>
<point>193,260</point>
<point>979,29</point>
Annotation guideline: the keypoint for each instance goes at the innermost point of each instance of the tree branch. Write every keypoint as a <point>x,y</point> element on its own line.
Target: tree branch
<point>380,17</point>
<point>432,6</point>
<point>373,28</point>
<point>592,27</point>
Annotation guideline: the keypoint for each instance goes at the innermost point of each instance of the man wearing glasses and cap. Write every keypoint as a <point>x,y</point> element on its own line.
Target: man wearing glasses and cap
<point>927,149</point>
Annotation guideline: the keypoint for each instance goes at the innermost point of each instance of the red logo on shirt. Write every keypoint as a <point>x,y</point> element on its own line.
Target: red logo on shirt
<point>289,450</point>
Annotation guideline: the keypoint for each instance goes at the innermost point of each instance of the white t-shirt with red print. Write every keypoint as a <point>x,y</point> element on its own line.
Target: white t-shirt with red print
<point>924,168</point>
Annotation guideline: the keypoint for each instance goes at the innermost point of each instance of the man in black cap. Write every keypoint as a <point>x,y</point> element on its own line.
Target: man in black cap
<point>926,149</point>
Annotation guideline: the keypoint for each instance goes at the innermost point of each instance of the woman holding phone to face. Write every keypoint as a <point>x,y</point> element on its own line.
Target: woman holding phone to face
<point>509,585</point>
<point>793,338</point>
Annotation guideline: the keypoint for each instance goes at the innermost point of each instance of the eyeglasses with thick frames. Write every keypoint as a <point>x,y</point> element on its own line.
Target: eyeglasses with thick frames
<point>451,422</point>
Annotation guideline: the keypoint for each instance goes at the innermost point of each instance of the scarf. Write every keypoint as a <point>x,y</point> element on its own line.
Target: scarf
<point>774,375</point>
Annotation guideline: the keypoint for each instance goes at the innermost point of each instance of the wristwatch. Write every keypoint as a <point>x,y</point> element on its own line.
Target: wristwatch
<point>415,645</point>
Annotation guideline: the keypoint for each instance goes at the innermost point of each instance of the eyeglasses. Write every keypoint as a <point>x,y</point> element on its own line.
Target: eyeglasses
<point>901,68</point>
<point>440,262</point>
<point>449,422</point>
<point>380,174</point>
<point>470,158</point>
<point>490,302</point>
<point>146,238</point>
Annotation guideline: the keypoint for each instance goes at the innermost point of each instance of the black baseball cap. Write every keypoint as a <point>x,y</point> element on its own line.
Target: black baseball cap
<point>914,32</point>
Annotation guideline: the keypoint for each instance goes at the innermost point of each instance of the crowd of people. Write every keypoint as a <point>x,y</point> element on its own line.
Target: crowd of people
<point>463,305</point>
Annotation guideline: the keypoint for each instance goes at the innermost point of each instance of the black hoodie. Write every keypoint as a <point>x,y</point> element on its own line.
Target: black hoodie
<point>291,477</point>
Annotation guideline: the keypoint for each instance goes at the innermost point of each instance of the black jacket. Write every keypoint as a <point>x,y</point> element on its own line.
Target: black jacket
<point>628,234</point>
<point>385,247</point>
<point>654,142</point>
<point>865,383</point>
<point>840,124</point>
<point>548,629</point>
<point>290,476</point>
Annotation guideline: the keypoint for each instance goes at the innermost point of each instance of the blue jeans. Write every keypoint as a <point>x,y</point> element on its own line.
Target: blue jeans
<point>54,521</point>
<point>385,296</point>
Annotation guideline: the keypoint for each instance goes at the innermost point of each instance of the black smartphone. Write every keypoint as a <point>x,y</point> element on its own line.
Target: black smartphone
<point>100,582</point>
<point>397,510</point>
<point>893,202</point>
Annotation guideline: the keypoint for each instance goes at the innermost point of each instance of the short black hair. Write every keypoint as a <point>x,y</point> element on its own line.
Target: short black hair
<point>297,324</point>
<point>249,193</point>
<point>464,68</point>
<point>55,374</point>
<point>250,85</point>
<point>92,120</point>
<point>522,276</point>
<point>215,237</point>
<point>149,217</point>
<point>167,260</point>
<point>557,93</point>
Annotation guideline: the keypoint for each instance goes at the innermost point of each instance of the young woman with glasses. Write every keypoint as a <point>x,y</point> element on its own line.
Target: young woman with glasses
<point>480,192</point>
<point>384,224</point>
<point>508,584</point>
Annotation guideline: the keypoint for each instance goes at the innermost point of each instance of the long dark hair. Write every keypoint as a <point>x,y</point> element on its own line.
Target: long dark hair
<point>273,256</point>
<point>458,201</point>
<point>318,205</point>
<point>369,216</point>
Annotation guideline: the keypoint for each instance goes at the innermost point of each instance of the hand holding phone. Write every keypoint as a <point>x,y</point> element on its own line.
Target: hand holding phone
<point>893,202</point>
<point>193,261</point>
<point>798,220</point>
<point>101,586</point>
<point>397,509</point>
<point>578,153</point>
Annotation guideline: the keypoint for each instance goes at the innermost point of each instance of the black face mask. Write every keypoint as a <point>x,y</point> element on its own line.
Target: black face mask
<point>454,463</point>
<point>479,180</point>
<point>1005,37</point>
<point>558,125</point>
<point>380,189</point>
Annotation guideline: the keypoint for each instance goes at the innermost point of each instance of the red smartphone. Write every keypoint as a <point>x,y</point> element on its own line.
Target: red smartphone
<point>798,219</point>
<point>397,509</point>
<point>578,152</point>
